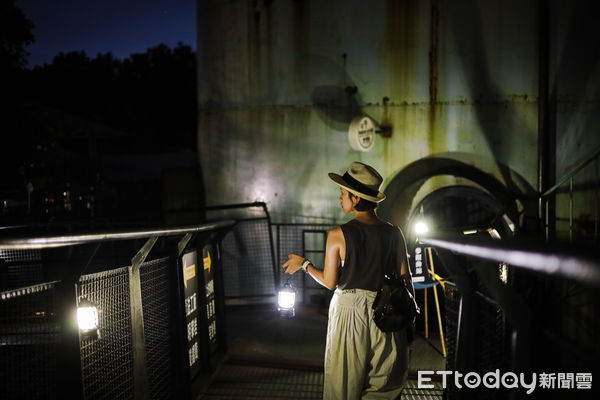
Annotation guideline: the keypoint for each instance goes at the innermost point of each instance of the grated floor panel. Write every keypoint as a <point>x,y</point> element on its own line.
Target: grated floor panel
<point>252,382</point>
<point>412,392</point>
<point>236,382</point>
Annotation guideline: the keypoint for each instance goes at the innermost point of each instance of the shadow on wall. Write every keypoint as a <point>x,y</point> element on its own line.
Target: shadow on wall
<point>403,188</point>
<point>336,105</point>
<point>467,26</point>
<point>335,96</point>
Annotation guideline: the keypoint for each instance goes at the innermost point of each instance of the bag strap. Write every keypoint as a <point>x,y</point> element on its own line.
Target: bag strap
<point>387,270</point>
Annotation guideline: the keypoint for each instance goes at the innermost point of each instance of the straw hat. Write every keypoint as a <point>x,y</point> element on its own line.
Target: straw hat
<point>361,180</point>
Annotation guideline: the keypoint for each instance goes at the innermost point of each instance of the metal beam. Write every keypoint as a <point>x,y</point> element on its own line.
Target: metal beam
<point>140,372</point>
<point>183,242</point>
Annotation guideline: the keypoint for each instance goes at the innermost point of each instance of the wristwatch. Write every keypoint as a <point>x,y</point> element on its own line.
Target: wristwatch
<point>305,265</point>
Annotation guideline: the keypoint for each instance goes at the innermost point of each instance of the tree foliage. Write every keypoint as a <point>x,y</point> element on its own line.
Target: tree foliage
<point>16,32</point>
<point>151,96</point>
<point>60,119</point>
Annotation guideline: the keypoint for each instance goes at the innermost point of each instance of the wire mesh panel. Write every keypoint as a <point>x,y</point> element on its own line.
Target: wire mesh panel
<point>452,305</point>
<point>491,334</point>
<point>20,268</point>
<point>20,255</point>
<point>107,363</point>
<point>489,340</point>
<point>29,335</point>
<point>307,240</point>
<point>157,322</point>
<point>248,260</point>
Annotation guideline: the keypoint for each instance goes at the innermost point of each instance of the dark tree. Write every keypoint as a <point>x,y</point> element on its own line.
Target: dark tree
<point>150,97</point>
<point>68,115</point>
<point>15,35</point>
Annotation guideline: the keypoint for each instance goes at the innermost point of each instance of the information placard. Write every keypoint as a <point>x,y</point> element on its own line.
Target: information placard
<point>419,267</point>
<point>190,289</point>
<point>209,290</point>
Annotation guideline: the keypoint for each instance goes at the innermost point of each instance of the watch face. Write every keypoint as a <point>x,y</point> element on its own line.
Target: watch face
<point>361,133</point>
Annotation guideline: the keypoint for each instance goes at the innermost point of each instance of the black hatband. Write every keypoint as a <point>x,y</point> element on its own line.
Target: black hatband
<point>354,184</point>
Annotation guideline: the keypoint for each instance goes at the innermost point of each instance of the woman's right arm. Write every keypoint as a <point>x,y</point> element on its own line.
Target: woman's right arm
<point>328,277</point>
<point>334,249</point>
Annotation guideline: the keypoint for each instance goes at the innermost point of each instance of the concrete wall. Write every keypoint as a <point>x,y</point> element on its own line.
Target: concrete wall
<point>280,80</point>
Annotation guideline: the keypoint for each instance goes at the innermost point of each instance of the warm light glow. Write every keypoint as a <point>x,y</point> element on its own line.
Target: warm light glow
<point>421,228</point>
<point>286,299</point>
<point>494,233</point>
<point>87,318</point>
<point>504,273</point>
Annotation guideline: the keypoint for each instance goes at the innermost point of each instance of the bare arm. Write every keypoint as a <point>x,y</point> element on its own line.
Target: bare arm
<point>328,276</point>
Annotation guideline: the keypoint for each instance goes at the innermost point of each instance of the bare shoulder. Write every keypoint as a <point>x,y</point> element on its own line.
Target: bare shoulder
<point>336,235</point>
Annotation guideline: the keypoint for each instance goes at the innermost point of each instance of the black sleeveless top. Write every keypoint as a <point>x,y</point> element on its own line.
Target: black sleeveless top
<point>369,248</point>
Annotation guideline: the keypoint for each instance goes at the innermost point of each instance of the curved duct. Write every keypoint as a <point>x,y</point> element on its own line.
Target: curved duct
<point>516,199</point>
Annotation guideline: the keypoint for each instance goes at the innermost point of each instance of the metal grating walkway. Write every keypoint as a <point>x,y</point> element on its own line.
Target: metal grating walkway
<point>412,392</point>
<point>236,382</point>
<point>252,382</point>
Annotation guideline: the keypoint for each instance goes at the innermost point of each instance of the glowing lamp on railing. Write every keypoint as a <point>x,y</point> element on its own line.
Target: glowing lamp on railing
<point>87,319</point>
<point>286,300</point>
<point>421,228</point>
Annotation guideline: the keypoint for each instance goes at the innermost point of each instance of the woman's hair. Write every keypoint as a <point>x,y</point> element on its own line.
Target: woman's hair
<point>364,205</point>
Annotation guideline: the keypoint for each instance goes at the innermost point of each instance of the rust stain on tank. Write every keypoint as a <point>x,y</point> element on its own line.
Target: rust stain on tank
<point>269,50</point>
<point>386,125</point>
<point>300,38</point>
<point>433,70</point>
<point>254,47</point>
<point>400,42</point>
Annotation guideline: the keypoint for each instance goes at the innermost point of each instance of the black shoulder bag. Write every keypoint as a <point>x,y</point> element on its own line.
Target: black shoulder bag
<point>394,307</point>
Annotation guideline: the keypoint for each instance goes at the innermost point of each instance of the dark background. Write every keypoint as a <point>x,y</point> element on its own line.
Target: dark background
<point>94,136</point>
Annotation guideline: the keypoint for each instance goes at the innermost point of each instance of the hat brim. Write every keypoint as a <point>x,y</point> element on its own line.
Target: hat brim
<point>340,181</point>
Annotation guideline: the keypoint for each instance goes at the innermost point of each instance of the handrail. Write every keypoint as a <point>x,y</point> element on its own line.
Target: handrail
<point>572,172</point>
<point>42,242</point>
<point>567,264</point>
<point>239,205</point>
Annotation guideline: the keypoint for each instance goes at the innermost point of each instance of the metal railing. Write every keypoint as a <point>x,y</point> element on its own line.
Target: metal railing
<point>535,258</point>
<point>529,333</point>
<point>249,266</point>
<point>45,242</point>
<point>569,177</point>
<point>39,333</point>
<point>308,240</point>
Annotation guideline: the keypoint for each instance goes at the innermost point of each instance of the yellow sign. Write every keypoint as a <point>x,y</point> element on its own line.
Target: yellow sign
<point>189,271</point>
<point>207,261</point>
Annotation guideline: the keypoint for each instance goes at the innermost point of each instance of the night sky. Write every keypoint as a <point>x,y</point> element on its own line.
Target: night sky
<point>121,27</point>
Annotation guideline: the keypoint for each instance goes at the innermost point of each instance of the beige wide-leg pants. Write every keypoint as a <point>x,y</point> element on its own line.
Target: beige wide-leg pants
<point>361,361</point>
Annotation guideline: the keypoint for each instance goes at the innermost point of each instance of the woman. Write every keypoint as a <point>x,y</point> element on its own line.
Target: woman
<point>361,361</point>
